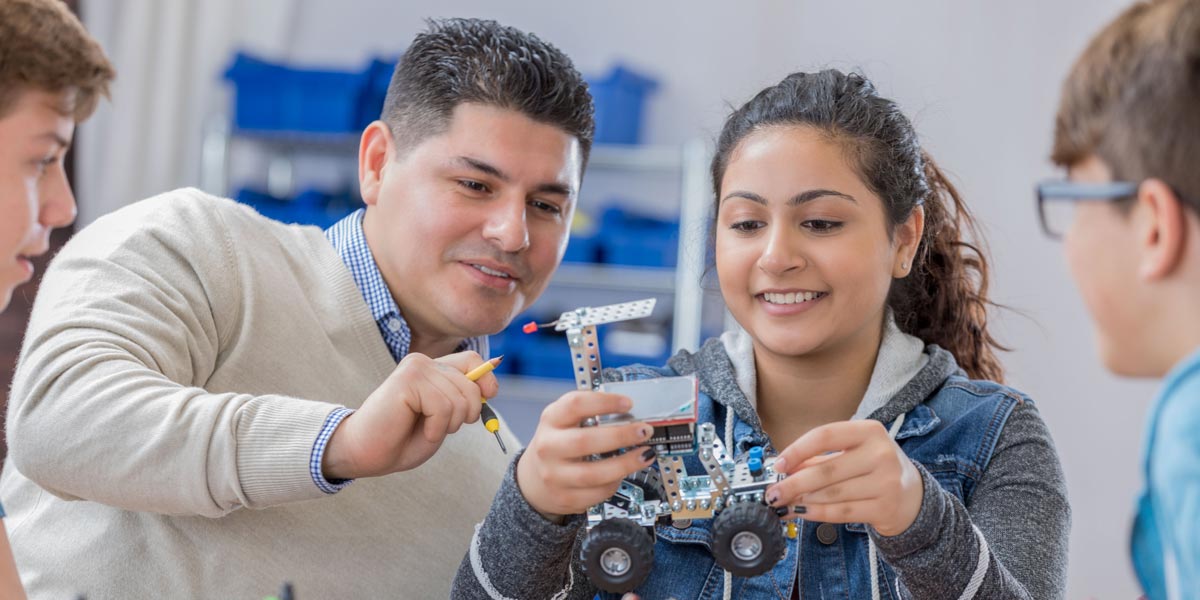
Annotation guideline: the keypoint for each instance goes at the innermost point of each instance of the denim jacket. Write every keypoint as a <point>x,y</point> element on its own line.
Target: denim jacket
<point>951,434</point>
<point>991,481</point>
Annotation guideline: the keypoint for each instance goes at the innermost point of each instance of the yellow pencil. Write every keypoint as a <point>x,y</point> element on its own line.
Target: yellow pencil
<point>484,369</point>
<point>490,421</point>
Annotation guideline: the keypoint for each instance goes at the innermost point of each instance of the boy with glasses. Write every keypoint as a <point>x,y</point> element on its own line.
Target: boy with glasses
<point>1128,134</point>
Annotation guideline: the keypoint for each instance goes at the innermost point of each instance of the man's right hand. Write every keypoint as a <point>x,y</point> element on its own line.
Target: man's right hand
<point>554,474</point>
<point>404,421</point>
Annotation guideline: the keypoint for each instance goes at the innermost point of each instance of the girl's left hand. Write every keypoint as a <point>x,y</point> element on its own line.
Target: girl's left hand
<point>849,472</point>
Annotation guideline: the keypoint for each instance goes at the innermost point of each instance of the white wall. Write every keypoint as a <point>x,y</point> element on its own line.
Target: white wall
<point>979,79</point>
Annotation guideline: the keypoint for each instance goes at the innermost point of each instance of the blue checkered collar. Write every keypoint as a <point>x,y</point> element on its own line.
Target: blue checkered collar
<point>348,240</point>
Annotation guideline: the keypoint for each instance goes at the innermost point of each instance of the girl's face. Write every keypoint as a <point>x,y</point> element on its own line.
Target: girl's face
<point>803,253</point>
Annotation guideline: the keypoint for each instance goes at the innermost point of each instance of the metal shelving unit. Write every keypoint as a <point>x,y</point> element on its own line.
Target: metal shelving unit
<point>681,283</point>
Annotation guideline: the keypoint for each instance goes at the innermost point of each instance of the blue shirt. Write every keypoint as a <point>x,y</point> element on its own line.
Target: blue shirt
<point>348,240</point>
<point>1165,543</point>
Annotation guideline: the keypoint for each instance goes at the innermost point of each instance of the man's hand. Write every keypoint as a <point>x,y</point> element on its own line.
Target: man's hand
<point>554,474</point>
<point>404,421</point>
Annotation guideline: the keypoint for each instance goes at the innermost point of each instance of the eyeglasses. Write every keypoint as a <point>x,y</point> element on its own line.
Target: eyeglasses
<point>1056,201</point>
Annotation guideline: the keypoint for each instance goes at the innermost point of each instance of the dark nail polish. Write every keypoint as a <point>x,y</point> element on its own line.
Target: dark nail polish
<point>799,510</point>
<point>771,498</point>
<point>649,454</point>
<point>782,510</point>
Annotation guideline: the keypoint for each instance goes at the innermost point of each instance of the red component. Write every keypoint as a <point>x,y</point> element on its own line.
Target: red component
<point>529,327</point>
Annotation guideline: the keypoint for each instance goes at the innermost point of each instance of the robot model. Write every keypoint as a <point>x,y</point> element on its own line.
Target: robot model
<point>618,550</point>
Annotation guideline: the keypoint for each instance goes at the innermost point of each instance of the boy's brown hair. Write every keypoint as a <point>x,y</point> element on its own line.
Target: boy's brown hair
<point>1133,98</point>
<point>45,47</point>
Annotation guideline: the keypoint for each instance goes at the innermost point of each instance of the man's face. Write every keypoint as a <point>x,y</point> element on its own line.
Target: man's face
<point>1102,253</point>
<point>35,197</point>
<point>468,225</point>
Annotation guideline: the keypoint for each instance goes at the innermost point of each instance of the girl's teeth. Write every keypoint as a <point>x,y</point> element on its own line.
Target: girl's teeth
<point>792,297</point>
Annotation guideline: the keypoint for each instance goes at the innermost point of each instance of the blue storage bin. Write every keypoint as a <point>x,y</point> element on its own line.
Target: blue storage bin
<point>620,100</point>
<point>546,354</point>
<point>508,344</point>
<point>583,249</point>
<point>628,238</point>
<point>310,207</point>
<point>375,87</point>
<point>270,96</point>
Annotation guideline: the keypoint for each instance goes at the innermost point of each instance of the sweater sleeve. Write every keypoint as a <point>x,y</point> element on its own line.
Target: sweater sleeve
<point>1009,543</point>
<point>108,402</point>
<point>517,554</point>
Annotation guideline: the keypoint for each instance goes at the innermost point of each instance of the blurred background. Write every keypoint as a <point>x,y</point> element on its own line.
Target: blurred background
<point>262,101</point>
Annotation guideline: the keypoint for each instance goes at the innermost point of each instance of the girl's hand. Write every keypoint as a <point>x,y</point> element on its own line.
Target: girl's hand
<point>555,474</point>
<point>849,472</point>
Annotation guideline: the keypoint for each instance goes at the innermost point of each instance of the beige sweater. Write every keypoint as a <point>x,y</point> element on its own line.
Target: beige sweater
<point>182,356</point>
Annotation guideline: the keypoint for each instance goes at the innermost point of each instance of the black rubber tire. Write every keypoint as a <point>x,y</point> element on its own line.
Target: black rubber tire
<point>651,483</point>
<point>758,528</point>
<point>621,538</point>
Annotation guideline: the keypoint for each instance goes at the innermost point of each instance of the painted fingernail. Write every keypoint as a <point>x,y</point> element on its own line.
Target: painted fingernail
<point>649,454</point>
<point>646,432</point>
<point>771,498</point>
<point>799,510</point>
<point>782,510</point>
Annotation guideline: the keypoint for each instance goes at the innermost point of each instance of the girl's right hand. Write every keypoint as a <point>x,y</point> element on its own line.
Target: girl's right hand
<point>554,473</point>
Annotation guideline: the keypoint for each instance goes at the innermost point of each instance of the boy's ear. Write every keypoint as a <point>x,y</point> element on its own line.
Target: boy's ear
<point>375,151</point>
<point>1161,222</point>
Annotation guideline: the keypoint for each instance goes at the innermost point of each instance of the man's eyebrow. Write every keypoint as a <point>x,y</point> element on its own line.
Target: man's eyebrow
<point>560,189</point>
<point>479,165</point>
<point>555,187</point>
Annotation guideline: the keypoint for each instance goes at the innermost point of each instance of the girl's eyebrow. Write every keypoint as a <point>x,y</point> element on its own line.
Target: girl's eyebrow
<point>796,200</point>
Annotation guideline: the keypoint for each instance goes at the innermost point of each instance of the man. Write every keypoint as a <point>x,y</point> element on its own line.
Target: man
<point>193,371</point>
<point>1128,133</point>
<point>51,75</point>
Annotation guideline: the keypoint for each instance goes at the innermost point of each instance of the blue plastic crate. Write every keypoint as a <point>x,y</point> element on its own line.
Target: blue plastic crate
<point>310,207</point>
<point>546,354</point>
<point>620,100</point>
<point>628,238</point>
<point>583,249</point>
<point>378,77</point>
<point>271,96</point>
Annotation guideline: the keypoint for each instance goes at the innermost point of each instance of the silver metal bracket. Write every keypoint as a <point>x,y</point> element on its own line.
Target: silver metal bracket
<point>712,455</point>
<point>580,325</point>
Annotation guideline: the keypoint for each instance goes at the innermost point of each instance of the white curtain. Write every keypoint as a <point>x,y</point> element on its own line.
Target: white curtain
<point>170,57</point>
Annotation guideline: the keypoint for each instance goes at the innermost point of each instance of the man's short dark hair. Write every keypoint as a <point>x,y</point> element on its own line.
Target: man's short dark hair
<point>460,61</point>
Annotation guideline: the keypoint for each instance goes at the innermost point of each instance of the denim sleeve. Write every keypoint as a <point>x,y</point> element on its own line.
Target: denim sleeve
<point>1175,482</point>
<point>516,554</point>
<point>1012,532</point>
